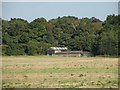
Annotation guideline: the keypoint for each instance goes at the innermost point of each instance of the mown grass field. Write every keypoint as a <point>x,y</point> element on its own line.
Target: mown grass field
<point>59,72</point>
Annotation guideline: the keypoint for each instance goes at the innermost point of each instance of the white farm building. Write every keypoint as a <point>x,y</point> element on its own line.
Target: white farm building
<point>63,51</point>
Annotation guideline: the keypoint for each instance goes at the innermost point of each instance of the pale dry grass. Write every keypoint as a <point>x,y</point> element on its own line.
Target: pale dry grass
<point>63,72</point>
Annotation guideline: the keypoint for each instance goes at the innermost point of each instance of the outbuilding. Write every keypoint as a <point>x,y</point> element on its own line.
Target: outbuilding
<point>63,51</point>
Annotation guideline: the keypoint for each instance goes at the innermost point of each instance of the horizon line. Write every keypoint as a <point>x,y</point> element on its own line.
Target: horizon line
<point>57,17</point>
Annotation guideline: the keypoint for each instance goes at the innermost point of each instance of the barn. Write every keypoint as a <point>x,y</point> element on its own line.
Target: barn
<point>55,50</point>
<point>63,51</point>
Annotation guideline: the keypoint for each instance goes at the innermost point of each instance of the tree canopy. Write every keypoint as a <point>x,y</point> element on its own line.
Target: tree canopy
<point>20,37</point>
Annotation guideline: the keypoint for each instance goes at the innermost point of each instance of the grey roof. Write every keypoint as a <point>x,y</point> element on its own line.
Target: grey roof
<point>58,48</point>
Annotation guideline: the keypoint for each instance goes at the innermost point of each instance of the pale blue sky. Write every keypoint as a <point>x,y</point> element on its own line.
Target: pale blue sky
<point>49,10</point>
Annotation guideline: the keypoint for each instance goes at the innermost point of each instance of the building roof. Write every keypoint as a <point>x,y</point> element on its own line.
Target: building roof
<point>58,48</point>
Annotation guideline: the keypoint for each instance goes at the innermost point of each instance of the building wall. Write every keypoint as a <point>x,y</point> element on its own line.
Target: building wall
<point>68,53</point>
<point>57,51</point>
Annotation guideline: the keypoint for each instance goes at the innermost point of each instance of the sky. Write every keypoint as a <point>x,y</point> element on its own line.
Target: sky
<point>49,10</point>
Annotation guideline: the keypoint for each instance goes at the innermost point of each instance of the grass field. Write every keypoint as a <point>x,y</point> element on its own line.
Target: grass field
<point>59,72</point>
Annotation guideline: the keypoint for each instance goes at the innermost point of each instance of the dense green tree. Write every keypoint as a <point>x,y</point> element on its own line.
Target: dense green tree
<point>108,43</point>
<point>20,37</point>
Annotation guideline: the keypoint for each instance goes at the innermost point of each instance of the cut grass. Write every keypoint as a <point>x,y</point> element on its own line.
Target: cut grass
<point>59,72</point>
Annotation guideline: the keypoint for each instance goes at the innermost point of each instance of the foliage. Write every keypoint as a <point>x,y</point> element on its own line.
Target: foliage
<point>20,37</point>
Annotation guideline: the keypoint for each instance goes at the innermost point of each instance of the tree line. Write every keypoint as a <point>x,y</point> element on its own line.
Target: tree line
<point>20,37</point>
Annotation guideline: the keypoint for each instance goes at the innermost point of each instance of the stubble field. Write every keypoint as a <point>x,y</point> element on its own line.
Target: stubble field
<point>59,72</point>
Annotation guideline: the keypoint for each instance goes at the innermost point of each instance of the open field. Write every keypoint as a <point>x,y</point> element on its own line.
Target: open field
<point>59,72</point>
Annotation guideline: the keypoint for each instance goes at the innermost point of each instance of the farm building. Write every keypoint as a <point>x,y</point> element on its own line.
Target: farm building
<point>63,51</point>
<point>55,50</point>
